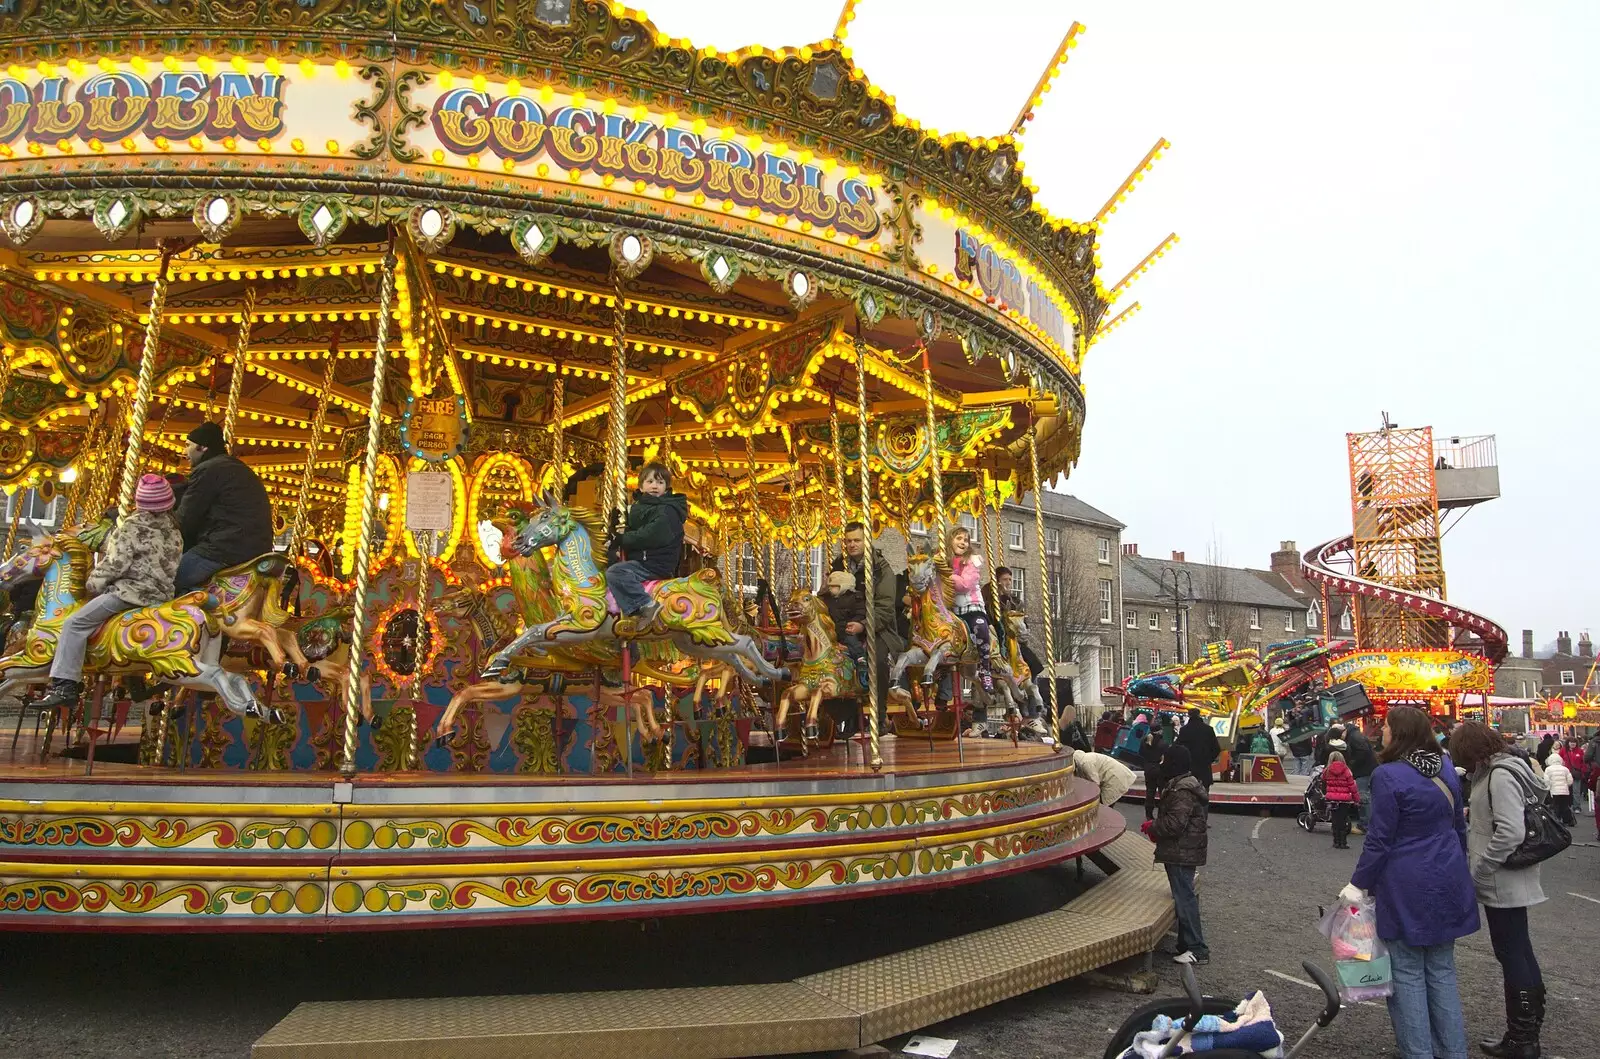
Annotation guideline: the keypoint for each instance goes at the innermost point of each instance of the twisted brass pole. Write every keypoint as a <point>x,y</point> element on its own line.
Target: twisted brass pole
<point>866,564</point>
<point>241,355</point>
<point>838,462</point>
<point>369,514</point>
<point>617,451</point>
<point>147,374</point>
<point>558,443</point>
<point>1044,583</point>
<point>933,461</point>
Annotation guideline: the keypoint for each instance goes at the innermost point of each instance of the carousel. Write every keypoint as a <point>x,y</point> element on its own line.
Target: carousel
<point>448,274</point>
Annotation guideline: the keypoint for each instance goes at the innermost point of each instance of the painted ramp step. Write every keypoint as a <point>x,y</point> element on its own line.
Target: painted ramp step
<point>843,1008</point>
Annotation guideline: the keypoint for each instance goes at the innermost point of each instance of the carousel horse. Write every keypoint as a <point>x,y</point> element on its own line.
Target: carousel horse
<point>826,670</point>
<point>1012,675</point>
<point>179,642</point>
<point>542,591</point>
<point>937,635</point>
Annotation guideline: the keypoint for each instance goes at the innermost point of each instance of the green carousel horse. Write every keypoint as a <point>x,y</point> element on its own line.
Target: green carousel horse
<point>573,628</point>
<point>826,670</point>
<point>179,642</point>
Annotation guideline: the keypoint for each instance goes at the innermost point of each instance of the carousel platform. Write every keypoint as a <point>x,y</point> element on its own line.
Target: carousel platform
<point>142,849</point>
<point>1289,792</point>
<point>842,1008</point>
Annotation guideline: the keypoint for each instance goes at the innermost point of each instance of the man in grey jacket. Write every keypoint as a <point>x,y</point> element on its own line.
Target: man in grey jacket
<point>881,606</point>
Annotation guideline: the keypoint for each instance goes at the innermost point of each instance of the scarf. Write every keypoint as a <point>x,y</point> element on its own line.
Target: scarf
<point>1427,762</point>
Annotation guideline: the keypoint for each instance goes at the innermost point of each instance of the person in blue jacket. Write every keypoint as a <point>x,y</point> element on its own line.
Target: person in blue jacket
<point>1414,863</point>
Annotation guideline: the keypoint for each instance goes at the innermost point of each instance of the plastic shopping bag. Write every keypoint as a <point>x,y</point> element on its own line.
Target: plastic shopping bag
<point>1360,958</point>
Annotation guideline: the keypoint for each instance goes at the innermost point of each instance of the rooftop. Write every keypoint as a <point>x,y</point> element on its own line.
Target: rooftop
<point>1142,581</point>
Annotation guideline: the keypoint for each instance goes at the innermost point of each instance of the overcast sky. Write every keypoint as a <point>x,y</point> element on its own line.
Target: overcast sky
<point>1383,207</point>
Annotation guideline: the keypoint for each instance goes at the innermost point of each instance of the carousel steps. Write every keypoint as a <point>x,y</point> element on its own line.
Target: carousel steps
<point>840,1009</point>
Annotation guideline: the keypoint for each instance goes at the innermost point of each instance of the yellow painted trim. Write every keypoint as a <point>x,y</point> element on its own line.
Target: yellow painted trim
<point>466,869</point>
<point>197,873</point>
<point>226,810</point>
<point>355,811</point>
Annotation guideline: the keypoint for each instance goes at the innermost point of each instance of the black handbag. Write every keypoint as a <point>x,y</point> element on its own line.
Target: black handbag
<point>1545,836</point>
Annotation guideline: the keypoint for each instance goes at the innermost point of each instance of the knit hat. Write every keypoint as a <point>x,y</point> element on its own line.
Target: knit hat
<point>842,581</point>
<point>209,436</point>
<point>153,494</point>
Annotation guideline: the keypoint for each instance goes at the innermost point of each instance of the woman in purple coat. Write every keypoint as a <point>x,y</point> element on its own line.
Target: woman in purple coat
<point>1414,863</point>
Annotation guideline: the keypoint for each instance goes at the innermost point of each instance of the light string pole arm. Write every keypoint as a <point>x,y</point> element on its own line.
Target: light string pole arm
<point>941,549</point>
<point>297,528</point>
<point>369,513</point>
<point>241,357</point>
<point>140,410</point>
<point>558,440</point>
<point>876,758</point>
<point>616,497</point>
<point>1044,580</point>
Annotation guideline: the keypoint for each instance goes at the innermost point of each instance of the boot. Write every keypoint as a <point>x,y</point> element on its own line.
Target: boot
<point>1523,1018</point>
<point>61,693</point>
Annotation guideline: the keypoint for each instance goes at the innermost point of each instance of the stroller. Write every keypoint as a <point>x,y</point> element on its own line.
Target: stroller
<point>1194,1006</point>
<point>1318,809</point>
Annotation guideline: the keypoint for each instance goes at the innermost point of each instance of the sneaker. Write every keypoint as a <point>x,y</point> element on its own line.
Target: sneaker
<point>1192,958</point>
<point>60,693</point>
<point>975,732</point>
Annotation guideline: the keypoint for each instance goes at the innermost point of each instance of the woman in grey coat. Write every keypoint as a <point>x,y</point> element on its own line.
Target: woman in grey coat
<point>1501,782</point>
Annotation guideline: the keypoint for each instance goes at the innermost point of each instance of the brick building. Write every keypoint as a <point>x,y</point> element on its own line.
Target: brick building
<point>1559,674</point>
<point>1172,607</point>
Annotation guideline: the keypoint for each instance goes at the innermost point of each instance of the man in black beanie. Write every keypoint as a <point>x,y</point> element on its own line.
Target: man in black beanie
<point>224,512</point>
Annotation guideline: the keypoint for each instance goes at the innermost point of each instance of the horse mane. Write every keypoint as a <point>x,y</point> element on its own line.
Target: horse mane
<point>944,577</point>
<point>596,525</point>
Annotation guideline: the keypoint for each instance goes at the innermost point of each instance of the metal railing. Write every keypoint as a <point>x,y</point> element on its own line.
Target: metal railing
<point>1464,453</point>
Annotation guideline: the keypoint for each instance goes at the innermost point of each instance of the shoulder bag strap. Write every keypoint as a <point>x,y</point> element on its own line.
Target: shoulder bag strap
<point>1439,783</point>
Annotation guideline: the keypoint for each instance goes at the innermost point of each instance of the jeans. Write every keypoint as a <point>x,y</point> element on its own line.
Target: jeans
<point>194,570</point>
<point>1425,1007</point>
<point>1364,786</point>
<point>1341,821</point>
<point>76,631</point>
<point>1302,766</point>
<point>626,582</point>
<point>1508,933</point>
<point>1561,805</point>
<point>1186,904</point>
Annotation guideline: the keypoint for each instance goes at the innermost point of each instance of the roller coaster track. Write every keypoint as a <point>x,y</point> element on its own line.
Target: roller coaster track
<point>1316,565</point>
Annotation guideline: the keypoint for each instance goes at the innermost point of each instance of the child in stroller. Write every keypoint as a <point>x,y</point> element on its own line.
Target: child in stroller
<point>1317,807</point>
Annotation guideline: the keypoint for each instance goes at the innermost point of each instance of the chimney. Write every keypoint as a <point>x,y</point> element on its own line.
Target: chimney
<point>1131,550</point>
<point>1177,557</point>
<point>1527,643</point>
<point>1585,646</point>
<point>1563,643</point>
<point>1286,561</point>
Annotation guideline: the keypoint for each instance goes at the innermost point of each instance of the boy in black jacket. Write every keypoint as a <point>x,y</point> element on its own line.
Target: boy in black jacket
<point>650,544</point>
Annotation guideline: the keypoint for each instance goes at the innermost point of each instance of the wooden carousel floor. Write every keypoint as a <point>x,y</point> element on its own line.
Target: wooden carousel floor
<point>901,757</point>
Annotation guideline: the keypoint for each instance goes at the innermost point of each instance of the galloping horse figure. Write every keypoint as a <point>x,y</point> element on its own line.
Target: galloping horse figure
<point>1012,676</point>
<point>937,635</point>
<point>179,641</point>
<point>557,599</point>
<point>825,671</point>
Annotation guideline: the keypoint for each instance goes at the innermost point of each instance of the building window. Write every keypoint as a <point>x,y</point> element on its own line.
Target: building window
<point>1568,679</point>
<point>1313,615</point>
<point>1174,625</point>
<point>1014,536</point>
<point>1052,542</point>
<point>918,528</point>
<point>1155,619</point>
<point>1019,585</point>
<point>1130,618</point>
<point>1255,617</point>
<point>1211,617</point>
<point>34,508</point>
<point>1255,645</point>
<point>1104,545</point>
<point>1132,667</point>
<point>1105,601</point>
<point>1155,658</point>
<point>1522,686</point>
<point>1107,678</point>
<point>1288,622</point>
<point>966,521</point>
<point>1344,620</point>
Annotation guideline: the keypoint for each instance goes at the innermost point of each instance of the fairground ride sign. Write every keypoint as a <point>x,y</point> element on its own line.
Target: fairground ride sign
<point>1415,672</point>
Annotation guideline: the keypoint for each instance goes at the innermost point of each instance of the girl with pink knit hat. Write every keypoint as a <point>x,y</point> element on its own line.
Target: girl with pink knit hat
<point>135,569</point>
